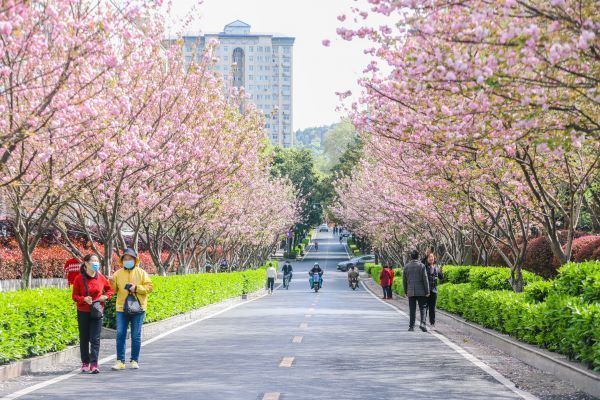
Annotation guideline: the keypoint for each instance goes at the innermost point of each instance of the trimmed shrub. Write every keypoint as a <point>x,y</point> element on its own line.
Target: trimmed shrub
<point>536,292</point>
<point>36,322</point>
<point>456,273</point>
<point>452,297</point>
<point>496,278</point>
<point>584,248</point>
<point>368,267</point>
<point>580,279</point>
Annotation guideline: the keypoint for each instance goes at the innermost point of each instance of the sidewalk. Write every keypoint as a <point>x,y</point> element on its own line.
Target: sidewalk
<point>530,379</point>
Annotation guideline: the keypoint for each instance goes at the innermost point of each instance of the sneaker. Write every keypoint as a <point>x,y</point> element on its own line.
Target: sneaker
<point>94,369</point>
<point>423,327</point>
<point>85,367</point>
<point>411,328</point>
<point>119,366</point>
<point>134,365</point>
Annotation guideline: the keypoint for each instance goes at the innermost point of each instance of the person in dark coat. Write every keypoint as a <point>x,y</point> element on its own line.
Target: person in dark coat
<point>434,272</point>
<point>416,287</point>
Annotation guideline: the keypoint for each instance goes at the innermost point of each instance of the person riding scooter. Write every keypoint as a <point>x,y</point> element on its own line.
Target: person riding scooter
<point>316,269</point>
<point>287,273</point>
<point>352,276</point>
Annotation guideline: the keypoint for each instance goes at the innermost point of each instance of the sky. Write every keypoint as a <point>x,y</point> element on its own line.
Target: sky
<point>319,71</point>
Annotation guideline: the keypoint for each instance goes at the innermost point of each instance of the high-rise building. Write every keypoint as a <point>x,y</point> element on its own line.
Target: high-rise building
<point>262,64</point>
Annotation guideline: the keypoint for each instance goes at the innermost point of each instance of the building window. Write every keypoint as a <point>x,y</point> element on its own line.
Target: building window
<point>286,78</point>
<point>286,117</point>
<point>251,49</point>
<point>286,97</point>
<point>226,58</point>
<point>251,58</point>
<point>268,49</point>
<point>226,48</point>
<point>287,50</point>
<point>259,58</point>
<point>286,69</point>
<point>286,107</point>
<point>250,77</point>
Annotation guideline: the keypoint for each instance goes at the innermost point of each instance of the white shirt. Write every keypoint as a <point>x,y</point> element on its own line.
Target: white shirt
<point>271,272</point>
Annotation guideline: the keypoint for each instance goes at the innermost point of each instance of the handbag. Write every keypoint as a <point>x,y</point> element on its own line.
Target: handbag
<point>96,309</point>
<point>132,305</point>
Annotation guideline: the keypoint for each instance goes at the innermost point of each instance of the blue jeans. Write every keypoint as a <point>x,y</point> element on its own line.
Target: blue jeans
<point>123,321</point>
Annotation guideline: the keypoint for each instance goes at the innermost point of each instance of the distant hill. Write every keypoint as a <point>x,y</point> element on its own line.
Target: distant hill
<point>313,138</point>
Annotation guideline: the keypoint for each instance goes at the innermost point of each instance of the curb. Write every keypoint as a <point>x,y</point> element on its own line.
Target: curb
<point>556,364</point>
<point>41,363</point>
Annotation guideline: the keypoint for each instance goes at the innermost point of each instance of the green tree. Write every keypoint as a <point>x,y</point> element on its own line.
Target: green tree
<point>298,165</point>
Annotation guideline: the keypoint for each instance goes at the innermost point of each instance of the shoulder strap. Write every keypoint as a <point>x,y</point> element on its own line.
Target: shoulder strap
<point>85,284</point>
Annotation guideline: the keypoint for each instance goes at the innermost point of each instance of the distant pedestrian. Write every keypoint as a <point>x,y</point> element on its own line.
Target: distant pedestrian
<point>434,272</point>
<point>71,270</point>
<point>386,278</point>
<point>416,287</point>
<point>132,285</point>
<point>271,277</point>
<point>90,290</point>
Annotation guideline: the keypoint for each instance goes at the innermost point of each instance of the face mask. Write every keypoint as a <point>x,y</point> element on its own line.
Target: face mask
<point>129,264</point>
<point>96,266</point>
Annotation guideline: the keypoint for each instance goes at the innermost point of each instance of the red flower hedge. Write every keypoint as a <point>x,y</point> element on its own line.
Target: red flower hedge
<point>48,261</point>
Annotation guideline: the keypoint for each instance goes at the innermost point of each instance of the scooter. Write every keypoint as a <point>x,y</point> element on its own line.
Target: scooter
<point>315,282</point>
<point>354,283</point>
<point>286,280</point>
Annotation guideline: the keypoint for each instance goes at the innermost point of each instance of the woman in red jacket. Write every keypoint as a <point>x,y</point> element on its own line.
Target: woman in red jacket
<point>386,278</point>
<point>90,290</point>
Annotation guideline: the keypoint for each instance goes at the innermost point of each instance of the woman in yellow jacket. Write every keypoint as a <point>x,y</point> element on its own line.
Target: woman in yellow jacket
<point>132,286</point>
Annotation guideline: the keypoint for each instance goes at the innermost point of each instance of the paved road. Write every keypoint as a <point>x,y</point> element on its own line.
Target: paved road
<point>352,347</point>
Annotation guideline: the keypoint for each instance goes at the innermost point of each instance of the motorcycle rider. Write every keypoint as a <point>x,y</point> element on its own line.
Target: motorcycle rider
<point>287,272</point>
<point>316,245</point>
<point>316,269</point>
<point>352,274</point>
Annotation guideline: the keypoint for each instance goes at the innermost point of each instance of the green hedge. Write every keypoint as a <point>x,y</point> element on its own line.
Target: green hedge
<point>35,322</point>
<point>40,321</point>
<point>561,315</point>
<point>493,278</point>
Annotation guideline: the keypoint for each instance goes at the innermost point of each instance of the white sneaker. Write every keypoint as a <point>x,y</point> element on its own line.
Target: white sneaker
<point>134,365</point>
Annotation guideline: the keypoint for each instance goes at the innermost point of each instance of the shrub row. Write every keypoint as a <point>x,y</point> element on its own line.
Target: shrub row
<point>562,315</point>
<point>493,278</point>
<point>561,323</point>
<point>35,322</point>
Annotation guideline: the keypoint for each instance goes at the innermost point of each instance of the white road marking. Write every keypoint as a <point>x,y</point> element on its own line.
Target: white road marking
<point>307,315</point>
<point>271,396</point>
<point>297,339</point>
<point>41,385</point>
<point>311,310</point>
<point>474,360</point>
<point>303,325</point>
<point>286,362</point>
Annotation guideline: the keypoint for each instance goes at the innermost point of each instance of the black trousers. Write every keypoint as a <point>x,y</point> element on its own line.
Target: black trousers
<point>387,292</point>
<point>270,283</point>
<point>412,306</point>
<point>431,301</point>
<point>89,337</point>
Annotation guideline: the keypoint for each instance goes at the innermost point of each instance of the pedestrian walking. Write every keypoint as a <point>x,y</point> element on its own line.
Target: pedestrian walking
<point>416,287</point>
<point>434,272</point>
<point>132,286</point>
<point>90,290</point>
<point>71,270</point>
<point>386,278</point>
<point>271,277</point>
